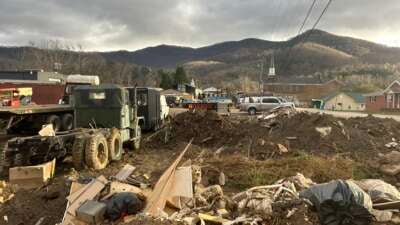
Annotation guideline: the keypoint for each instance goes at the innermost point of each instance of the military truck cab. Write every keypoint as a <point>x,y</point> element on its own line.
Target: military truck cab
<point>151,107</point>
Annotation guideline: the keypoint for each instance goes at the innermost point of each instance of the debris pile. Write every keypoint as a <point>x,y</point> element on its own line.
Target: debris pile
<point>6,192</point>
<point>361,138</point>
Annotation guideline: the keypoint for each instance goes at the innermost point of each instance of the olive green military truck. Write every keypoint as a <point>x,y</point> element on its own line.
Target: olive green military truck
<point>105,118</point>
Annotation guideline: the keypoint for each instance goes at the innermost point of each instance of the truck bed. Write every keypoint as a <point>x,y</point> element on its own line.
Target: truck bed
<point>33,109</point>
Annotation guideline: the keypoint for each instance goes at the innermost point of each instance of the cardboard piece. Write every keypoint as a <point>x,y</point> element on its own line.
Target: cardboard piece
<point>182,187</point>
<point>28,177</point>
<point>125,172</point>
<point>90,191</point>
<point>162,189</point>
<point>47,130</point>
<point>116,187</point>
<point>213,219</point>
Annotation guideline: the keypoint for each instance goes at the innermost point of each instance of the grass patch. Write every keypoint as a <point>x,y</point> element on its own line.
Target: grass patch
<point>243,173</point>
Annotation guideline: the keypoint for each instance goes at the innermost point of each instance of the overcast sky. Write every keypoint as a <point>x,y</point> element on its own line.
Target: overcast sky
<point>134,24</point>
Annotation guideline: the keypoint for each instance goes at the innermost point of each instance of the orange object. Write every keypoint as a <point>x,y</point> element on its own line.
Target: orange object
<point>9,97</point>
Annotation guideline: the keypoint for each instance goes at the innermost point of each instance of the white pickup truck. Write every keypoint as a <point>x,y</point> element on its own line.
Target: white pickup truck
<point>252,105</point>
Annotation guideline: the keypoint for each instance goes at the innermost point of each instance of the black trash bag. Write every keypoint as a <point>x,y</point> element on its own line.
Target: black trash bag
<point>340,203</point>
<point>122,204</point>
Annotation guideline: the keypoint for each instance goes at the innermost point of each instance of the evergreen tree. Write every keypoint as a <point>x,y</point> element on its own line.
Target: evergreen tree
<point>180,76</point>
<point>166,81</point>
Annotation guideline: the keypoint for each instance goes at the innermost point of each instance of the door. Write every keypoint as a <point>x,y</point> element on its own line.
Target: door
<point>269,103</point>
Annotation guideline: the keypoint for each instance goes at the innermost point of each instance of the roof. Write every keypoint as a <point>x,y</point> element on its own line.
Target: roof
<point>357,97</point>
<point>171,92</point>
<point>210,89</point>
<point>99,87</point>
<point>302,81</point>
<point>376,93</point>
<point>390,86</point>
<point>5,81</point>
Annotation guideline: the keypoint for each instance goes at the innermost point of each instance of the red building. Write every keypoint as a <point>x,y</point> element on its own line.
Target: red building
<point>47,87</point>
<point>43,93</point>
<point>388,99</point>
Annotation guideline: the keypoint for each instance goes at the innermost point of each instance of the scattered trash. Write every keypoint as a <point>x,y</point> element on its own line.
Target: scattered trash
<point>122,204</point>
<point>340,202</point>
<point>163,188</point>
<point>91,212</point>
<point>282,149</point>
<point>324,131</point>
<point>47,130</point>
<point>379,191</point>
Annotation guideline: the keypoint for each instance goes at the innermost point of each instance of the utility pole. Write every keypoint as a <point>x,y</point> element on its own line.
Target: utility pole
<point>261,78</point>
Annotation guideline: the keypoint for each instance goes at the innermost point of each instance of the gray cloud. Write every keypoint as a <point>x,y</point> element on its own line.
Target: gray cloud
<point>134,24</point>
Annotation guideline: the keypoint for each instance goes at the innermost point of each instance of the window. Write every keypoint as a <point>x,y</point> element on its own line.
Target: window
<point>97,95</point>
<point>142,99</point>
<point>372,99</point>
<point>270,100</point>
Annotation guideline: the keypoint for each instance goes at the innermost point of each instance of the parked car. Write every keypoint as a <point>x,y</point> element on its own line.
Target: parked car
<point>260,104</point>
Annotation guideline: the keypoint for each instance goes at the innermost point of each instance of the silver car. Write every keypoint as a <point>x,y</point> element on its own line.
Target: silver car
<point>260,104</point>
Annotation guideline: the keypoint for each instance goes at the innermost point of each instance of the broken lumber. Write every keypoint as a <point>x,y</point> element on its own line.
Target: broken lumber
<point>28,177</point>
<point>158,198</point>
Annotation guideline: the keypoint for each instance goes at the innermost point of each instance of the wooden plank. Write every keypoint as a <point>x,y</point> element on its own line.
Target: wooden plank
<point>126,171</point>
<point>90,192</point>
<point>158,198</point>
<point>387,205</point>
<point>68,219</point>
<point>32,176</point>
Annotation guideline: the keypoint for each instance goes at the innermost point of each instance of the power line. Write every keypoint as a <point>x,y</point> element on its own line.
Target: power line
<point>306,18</point>
<point>309,32</point>
<point>322,14</point>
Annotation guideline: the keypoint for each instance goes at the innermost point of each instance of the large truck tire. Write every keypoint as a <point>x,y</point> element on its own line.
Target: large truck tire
<point>96,152</point>
<point>115,145</point>
<point>55,120</point>
<point>78,152</point>
<point>67,122</point>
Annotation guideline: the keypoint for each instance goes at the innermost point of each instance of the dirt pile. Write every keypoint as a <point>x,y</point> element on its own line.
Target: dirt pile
<point>30,206</point>
<point>315,133</point>
<point>360,137</point>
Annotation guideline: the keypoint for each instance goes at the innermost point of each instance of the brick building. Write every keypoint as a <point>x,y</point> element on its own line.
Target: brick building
<point>388,99</point>
<point>303,91</point>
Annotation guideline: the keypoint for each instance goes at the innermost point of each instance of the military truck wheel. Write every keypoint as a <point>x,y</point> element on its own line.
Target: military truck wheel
<point>115,145</point>
<point>78,152</point>
<point>96,152</point>
<point>252,111</point>
<point>55,120</point>
<point>67,122</point>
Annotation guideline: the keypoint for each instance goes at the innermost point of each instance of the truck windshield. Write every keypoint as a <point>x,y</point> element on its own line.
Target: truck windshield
<point>98,98</point>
